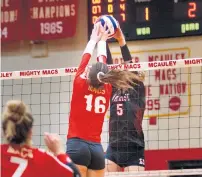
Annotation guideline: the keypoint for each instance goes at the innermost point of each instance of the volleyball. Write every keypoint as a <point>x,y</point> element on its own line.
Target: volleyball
<point>112,23</point>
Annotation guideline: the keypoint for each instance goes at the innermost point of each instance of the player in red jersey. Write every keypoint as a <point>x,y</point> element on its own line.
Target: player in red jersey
<point>20,159</point>
<point>92,89</point>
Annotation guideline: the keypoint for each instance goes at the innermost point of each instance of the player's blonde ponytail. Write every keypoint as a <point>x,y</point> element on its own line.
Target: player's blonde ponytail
<point>17,122</point>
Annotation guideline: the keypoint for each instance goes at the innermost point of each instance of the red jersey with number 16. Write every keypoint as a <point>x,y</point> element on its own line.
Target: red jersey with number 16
<point>88,106</point>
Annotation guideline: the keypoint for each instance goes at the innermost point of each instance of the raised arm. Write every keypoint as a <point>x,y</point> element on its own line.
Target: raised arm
<point>95,37</point>
<point>58,162</point>
<point>101,51</point>
<point>101,46</point>
<point>124,48</point>
<point>126,53</point>
<point>109,56</point>
<point>86,57</point>
<point>60,166</point>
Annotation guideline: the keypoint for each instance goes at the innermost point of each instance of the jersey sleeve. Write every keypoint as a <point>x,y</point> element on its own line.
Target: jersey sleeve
<point>59,166</point>
<point>66,160</point>
<point>101,52</point>
<point>85,59</point>
<point>81,72</point>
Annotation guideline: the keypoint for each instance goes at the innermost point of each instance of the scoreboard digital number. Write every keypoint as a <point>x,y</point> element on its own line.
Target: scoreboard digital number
<point>150,19</point>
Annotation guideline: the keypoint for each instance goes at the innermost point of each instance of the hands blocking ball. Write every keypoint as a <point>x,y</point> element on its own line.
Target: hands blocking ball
<point>109,23</point>
<point>108,27</point>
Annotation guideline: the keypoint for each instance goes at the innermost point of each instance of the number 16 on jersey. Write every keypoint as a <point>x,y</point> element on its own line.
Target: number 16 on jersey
<point>98,103</point>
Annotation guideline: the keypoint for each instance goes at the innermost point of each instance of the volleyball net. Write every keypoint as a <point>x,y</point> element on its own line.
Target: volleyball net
<point>172,122</point>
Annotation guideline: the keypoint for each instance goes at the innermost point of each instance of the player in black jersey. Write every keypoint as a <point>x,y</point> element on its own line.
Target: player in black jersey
<point>126,138</point>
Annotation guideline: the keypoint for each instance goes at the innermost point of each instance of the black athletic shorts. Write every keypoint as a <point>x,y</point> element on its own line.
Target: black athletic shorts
<point>86,153</point>
<point>126,156</point>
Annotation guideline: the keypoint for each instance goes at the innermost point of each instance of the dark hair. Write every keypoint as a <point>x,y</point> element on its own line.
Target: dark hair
<point>121,79</point>
<point>17,122</point>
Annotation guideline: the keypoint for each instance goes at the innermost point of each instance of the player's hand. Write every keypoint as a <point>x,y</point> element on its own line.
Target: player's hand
<point>54,143</point>
<point>105,32</point>
<point>120,37</point>
<point>96,34</point>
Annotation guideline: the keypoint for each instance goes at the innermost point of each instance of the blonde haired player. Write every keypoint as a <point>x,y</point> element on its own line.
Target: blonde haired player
<point>20,159</point>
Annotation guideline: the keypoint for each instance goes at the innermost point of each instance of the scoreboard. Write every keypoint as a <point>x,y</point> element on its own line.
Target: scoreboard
<point>150,19</point>
<point>38,19</point>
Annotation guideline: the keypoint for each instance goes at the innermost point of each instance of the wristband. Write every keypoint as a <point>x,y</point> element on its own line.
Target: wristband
<point>64,158</point>
<point>126,53</point>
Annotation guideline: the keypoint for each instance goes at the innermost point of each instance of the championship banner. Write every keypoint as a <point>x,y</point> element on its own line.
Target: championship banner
<point>49,19</point>
<point>167,90</point>
<point>11,20</point>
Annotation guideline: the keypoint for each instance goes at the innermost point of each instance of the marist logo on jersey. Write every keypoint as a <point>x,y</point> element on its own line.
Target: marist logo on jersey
<point>95,90</point>
<point>118,97</point>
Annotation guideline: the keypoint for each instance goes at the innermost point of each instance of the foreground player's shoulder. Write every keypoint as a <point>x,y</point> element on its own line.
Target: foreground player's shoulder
<point>54,166</point>
<point>39,154</point>
<point>49,156</point>
<point>43,152</point>
<point>4,148</point>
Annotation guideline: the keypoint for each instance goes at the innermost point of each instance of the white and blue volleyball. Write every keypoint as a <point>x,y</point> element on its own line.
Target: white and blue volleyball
<point>112,23</point>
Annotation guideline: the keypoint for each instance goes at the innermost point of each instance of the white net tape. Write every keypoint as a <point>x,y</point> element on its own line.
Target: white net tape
<point>45,95</point>
<point>142,66</point>
<point>165,173</point>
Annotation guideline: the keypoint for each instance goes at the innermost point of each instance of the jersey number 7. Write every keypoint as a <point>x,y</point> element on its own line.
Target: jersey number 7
<point>99,103</point>
<point>22,165</point>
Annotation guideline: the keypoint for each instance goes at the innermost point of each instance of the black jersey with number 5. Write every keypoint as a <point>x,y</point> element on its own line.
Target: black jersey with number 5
<point>126,115</point>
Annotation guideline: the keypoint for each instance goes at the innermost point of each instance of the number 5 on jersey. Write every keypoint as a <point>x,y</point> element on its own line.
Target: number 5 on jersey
<point>119,109</point>
<point>99,103</point>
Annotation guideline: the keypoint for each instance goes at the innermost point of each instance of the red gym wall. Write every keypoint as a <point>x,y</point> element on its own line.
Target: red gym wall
<point>158,159</point>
